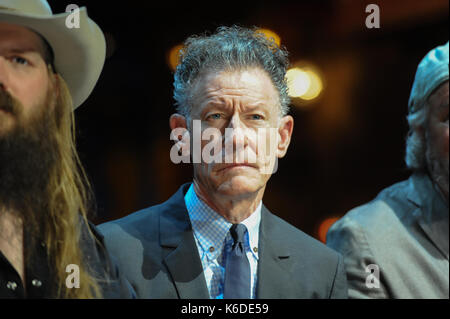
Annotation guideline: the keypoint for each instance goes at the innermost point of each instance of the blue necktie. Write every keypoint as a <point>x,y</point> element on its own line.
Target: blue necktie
<point>237,270</point>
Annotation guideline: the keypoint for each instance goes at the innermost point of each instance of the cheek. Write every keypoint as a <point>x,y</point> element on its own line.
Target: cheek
<point>440,140</point>
<point>267,142</point>
<point>31,91</point>
<point>445,141</point>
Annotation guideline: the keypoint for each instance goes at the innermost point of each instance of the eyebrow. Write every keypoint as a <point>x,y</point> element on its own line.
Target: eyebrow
<point>36,52</point>
<point>247,108</point>
<point>23,50</point>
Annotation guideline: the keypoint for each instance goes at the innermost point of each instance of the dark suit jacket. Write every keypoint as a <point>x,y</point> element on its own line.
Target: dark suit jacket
<point>156,251</point>
<point>112,283</point>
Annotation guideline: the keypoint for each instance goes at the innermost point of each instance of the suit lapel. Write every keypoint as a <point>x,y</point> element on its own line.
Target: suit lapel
<point>433,216</point>
<point>181,254</point>
<point>275,263</point>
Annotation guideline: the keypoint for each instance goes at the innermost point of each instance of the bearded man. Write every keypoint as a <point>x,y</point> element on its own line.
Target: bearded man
<point>48,249</point>
<point>397,245</point>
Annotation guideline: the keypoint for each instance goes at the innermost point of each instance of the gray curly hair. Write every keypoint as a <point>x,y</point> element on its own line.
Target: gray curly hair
<point>229,48</point>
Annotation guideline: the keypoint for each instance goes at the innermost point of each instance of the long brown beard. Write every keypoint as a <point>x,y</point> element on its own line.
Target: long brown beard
<point>27,156</point>
<point>42,180</point>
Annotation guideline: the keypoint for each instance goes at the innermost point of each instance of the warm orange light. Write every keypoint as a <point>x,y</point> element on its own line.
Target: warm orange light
<point>315,86</point>
<point>324,226</point>
<point>270,34</point>
<point>298,82</point>
<point>173,57</point>
<point>304,84</point>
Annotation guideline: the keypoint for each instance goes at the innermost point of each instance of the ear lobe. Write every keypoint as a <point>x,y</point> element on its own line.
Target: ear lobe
<point>177,121</point>
<point>180,134</point>
<point>284,133</point>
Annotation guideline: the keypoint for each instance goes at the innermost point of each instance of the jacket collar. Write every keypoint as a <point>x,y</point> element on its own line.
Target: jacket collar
<point>275,262</point>
<point>184,264</point>
<point>181,254</point>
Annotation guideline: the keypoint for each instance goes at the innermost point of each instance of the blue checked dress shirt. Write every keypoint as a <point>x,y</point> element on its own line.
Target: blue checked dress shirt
<point>211,232</point>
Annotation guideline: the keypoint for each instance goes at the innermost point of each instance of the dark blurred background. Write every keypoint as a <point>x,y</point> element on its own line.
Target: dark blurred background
<point>348,143</point>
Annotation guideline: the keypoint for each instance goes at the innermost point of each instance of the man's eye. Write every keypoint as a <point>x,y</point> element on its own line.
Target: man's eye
<point>256,117</point>
<point>215,116</point>
<point>20,60</point>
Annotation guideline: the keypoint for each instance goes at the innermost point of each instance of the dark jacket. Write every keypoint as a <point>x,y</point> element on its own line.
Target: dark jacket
<point>156,251</point>
<point>39,276</point>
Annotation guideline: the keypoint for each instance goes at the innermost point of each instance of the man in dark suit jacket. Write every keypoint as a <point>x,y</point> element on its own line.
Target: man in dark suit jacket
<point>214,238</point>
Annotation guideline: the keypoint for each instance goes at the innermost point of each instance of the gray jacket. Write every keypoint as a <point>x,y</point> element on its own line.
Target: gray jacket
<point>404,232</point>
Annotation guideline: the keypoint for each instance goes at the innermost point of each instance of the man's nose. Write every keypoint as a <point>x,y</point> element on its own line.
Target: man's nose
<point>235,122</point>
<point>238,131</point>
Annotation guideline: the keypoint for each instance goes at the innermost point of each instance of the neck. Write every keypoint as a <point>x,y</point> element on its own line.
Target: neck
<point>234,209</point>
<point>11,240</point>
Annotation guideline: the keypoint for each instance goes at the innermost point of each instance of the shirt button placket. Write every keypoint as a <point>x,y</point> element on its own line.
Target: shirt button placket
<point>36,283</point>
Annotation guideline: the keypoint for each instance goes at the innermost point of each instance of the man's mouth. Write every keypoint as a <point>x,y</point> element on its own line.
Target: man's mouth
<point>5,109</point>
<point>236,165</point>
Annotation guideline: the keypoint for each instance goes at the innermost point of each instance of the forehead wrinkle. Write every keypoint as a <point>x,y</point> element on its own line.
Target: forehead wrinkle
<point>246,89</point>
<point>14,41</point>
<point>245,102</point>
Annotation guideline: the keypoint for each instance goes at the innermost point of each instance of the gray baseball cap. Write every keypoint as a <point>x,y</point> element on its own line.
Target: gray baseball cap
<point>431,72</point>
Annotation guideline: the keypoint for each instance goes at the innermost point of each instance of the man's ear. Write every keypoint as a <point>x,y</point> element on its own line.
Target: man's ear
<point>177,121</point>
<point>180,133</point>
<point>284,132</point>
<point>55,80</point>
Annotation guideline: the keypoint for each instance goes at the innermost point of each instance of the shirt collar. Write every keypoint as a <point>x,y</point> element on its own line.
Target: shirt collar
<point>211,229</point>
<point>252,223</point>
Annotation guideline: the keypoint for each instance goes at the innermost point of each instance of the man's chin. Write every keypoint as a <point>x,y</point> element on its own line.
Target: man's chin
<point>239,186</point>
<point>6,124</point>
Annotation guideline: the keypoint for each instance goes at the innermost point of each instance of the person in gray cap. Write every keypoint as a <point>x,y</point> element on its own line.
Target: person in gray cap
<point>396,246</point>
<point>48,249</point>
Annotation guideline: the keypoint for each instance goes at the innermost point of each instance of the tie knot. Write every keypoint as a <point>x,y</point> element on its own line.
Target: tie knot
<point>237,232</point>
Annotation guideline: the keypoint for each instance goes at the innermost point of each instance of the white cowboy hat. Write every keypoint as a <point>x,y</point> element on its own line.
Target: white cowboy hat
<point>79,52</point>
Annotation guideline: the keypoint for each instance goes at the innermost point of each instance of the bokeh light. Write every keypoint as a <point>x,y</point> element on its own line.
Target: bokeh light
<point>304,84</point>
<point>315,86</point>
<point>324,226</point>
<point>298,82</point>
<point>173,56</point>
<point>270,34</point>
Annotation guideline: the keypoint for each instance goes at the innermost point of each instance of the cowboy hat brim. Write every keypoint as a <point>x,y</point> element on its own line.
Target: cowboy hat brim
<point>79,52</point>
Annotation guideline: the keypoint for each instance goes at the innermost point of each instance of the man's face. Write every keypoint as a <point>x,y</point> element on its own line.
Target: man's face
<point>437,137</point>
<point>27,117</point>
<point>24,75</point>
<point>246,103</point>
